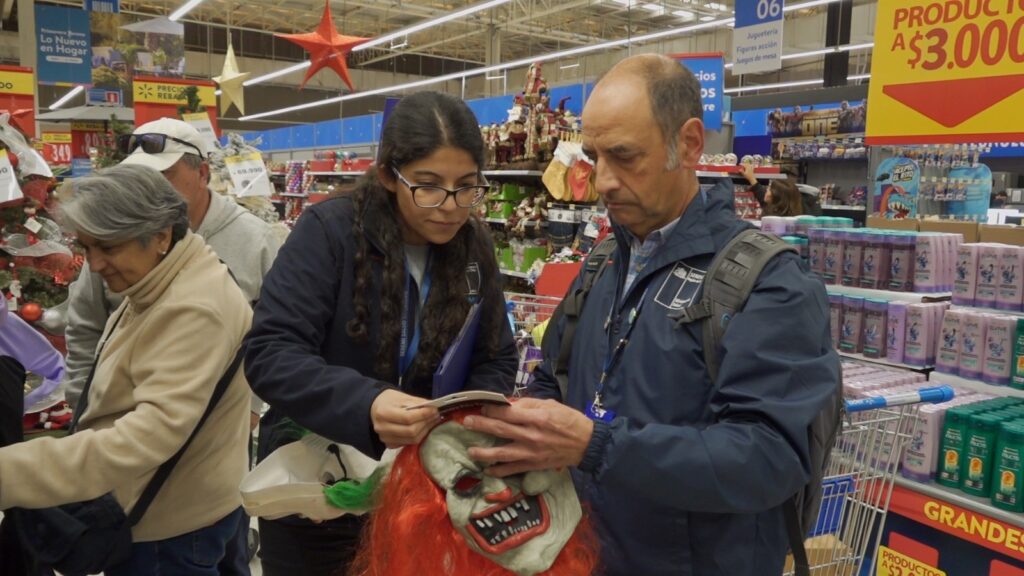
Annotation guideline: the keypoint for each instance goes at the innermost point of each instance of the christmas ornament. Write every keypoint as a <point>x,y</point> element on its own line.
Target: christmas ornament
<point>326,47</point>
<point>31,312</point>
<point>55,319</point>
<point>230,82</point>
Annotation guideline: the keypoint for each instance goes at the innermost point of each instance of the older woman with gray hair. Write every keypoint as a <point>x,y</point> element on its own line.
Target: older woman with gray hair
<point>162,353</point>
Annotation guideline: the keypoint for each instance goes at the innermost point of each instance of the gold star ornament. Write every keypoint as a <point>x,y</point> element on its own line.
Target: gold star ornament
<point>230,82</point>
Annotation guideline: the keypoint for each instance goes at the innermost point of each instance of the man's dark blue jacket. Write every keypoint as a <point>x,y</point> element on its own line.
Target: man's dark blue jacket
<point>689,477</point>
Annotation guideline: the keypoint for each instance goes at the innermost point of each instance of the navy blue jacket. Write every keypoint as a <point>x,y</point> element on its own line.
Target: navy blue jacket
<point>688,478</point>
<point>299,357</point>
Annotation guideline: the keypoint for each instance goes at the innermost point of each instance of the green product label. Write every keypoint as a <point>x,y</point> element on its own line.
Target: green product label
<point>952,446</point>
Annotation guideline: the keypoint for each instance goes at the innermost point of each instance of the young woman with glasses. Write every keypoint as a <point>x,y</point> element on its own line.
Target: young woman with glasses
<point>364,299</point>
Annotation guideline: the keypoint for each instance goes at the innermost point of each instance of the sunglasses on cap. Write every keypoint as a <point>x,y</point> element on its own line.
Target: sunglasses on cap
<point>150,143</point>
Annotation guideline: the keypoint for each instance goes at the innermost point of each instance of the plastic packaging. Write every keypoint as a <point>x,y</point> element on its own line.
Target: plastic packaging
<point>875,333</point>
<point>966,282</point>
<point>896,320</point>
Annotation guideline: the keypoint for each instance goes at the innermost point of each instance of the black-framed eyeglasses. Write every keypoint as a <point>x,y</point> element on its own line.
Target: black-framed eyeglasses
<point>151,143</point>
<point>433,196</point>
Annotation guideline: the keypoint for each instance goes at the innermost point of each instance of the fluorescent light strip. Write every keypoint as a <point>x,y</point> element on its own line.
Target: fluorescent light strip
<point>430,24</point>
<point>859,77</point>
<point>807,5</point>
<point>278,73</point>
<point>185,9</point>
<point>776,85</point>
<point>514,64</point>
<point>67,97</point>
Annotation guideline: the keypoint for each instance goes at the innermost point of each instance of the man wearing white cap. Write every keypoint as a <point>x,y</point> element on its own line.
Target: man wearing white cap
<point>245,243</point>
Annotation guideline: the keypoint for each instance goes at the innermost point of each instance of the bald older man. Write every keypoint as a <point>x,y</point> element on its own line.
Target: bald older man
<point>682,474</point>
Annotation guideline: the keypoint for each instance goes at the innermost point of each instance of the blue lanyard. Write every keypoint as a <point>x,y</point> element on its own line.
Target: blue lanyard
<point>409,347</point>
<point>615,352</point>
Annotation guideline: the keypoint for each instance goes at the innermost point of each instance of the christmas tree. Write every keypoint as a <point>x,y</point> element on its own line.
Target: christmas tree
<point>37,263</point>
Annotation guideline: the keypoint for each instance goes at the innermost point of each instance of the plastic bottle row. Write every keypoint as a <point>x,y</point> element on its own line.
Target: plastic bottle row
<point>898,332</point>
<point>989,275</point>
<point>896,260</point>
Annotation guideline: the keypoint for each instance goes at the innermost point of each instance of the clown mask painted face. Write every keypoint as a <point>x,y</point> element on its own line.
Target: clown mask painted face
<point>520,522</point>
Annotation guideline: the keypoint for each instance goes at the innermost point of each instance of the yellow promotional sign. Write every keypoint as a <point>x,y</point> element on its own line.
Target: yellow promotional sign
<point>57,137</point>
<point>169,93</point>
<point>17,82</point>
<point>87,127</point>
<point>947,71</point>
<point>892,563</point>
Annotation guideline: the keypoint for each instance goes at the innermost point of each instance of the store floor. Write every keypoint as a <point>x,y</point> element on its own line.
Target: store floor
<point>254,566</point>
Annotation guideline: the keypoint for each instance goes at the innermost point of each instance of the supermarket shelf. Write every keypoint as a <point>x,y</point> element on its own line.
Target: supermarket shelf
<point>340,174</point>
<point>989,310</point>
<point>728,172</point>
<point>976,385</point>
<point>290,195</point>
<point>883,362</point>
<point>888,294</point>
<point>514,274</point>
<point>513,173</point>
<point>496,220</point>
<point>842,207</point>
<point>973,503</point>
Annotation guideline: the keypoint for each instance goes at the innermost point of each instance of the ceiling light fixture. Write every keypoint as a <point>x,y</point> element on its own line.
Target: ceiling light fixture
<point>654,9</point>
<point>806,5</point>
<point>706,18</point>
<point>685,14</point>
<point>430,24</point>
<point>67,97</point>
<point>514,64</point>
<point>185,9</point>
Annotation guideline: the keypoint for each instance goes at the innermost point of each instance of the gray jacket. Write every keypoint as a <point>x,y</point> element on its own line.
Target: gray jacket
<point>246,244</point>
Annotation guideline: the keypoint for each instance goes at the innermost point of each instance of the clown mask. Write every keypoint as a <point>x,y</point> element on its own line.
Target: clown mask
<point>520,522</point>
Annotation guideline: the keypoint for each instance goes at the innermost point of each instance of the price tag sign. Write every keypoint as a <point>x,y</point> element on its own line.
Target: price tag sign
<point>9,189</point>
<point>757,36</point>
<point>201,122</point>
<point>57,148</point>
<point>947,71</point>
<point>249,175</point>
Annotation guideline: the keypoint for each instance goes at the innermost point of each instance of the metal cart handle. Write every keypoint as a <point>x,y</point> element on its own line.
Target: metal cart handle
<point>934,395</point>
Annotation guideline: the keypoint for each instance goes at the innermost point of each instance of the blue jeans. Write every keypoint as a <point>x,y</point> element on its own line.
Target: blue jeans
<point>193,554</point>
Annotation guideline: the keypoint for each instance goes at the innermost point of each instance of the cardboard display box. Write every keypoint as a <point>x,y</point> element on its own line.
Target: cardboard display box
<point>969,230</point>
<point>822,551</point>
<point>1002,234</point>
<point>880,222</point>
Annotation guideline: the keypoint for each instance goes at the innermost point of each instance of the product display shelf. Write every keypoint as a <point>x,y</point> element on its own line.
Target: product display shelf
<point>339,174</point>
<point>843,207</point>
<point>737,172</point>
<point>496,220</point>
<point>514,274</point>
<point>958,498</point>
<point>976,385</point>
<point>988,310</point>
<point>888,294</point>
<point>883,362</point>
<point>513,173</point>
<point>291,195</point>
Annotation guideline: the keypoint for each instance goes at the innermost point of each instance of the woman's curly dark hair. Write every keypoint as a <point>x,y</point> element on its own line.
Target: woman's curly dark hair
<point>418,126</point>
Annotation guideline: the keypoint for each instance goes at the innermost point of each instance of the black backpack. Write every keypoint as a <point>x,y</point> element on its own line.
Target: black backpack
<point>727,285</point>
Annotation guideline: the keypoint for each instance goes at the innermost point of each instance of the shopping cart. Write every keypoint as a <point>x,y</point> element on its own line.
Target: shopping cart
<point>526,312</point>
<point>858,482</point>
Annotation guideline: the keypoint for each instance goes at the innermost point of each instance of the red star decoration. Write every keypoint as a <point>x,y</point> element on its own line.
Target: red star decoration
<point>326,47</point>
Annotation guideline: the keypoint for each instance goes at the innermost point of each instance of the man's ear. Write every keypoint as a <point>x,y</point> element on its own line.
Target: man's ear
<point>204,173</point>
<point>691,142</point>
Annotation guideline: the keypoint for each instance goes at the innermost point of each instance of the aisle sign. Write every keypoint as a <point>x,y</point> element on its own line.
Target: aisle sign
<point>201,122</point>
<point>9,189</point>
<point>757,36</point>
<point>710,72</point>
<point>249,175</point>
<point>64,45</point>
<point>947,71</point>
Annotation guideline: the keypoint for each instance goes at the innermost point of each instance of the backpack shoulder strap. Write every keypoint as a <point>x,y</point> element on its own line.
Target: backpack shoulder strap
<point>572,306</point>
<point>727,285</point>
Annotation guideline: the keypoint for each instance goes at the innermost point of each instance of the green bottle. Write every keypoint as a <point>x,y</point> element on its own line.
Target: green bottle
<point>1008,471</point>
<point>976,471</point>
<point>954,434</point>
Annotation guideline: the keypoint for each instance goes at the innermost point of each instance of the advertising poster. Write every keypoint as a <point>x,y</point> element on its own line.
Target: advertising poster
<point>947,72</point>
<point>17,98</point>
<point>801,122</point>
<point>976,183</point>
<point>63,45</point>
<point>124,46</point>
<point>156,98</point>
<point>757,36</point>
<point>926,536</point>
<point>710,72</point>
<point>897,184</point>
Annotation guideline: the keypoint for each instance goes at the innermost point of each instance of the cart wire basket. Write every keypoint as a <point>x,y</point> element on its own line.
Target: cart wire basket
<point>858,482</point>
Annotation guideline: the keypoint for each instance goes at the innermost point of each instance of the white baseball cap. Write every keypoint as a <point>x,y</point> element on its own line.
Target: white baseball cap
<point>181,139</point>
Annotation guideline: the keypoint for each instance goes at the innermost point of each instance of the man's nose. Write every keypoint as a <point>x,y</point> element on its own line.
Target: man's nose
<point>605,180</point>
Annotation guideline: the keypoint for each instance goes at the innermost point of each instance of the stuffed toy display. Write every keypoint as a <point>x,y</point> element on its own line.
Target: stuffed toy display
<point>438,513</point>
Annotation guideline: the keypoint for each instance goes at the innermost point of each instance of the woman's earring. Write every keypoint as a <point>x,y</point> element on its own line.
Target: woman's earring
<point>163,252</point>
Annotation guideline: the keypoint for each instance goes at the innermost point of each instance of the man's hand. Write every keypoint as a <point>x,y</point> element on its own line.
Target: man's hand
<point>544,435</point>
<point>397,426</point>
<point>748,173</point>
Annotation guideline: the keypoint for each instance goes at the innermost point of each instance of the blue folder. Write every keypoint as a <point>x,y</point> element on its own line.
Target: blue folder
<point>450,376</point>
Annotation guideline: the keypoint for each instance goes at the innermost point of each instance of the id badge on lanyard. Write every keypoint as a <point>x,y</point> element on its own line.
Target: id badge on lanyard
<point>597,411</point>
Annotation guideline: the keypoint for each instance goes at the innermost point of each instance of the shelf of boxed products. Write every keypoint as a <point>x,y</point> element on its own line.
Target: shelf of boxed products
<point>513,173</point>
<point>958,498</point>
<point>888,294</point>
<point>985,310</point>
<point>338,174</point>
<point>975,385</point>
<point>882,361</point>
